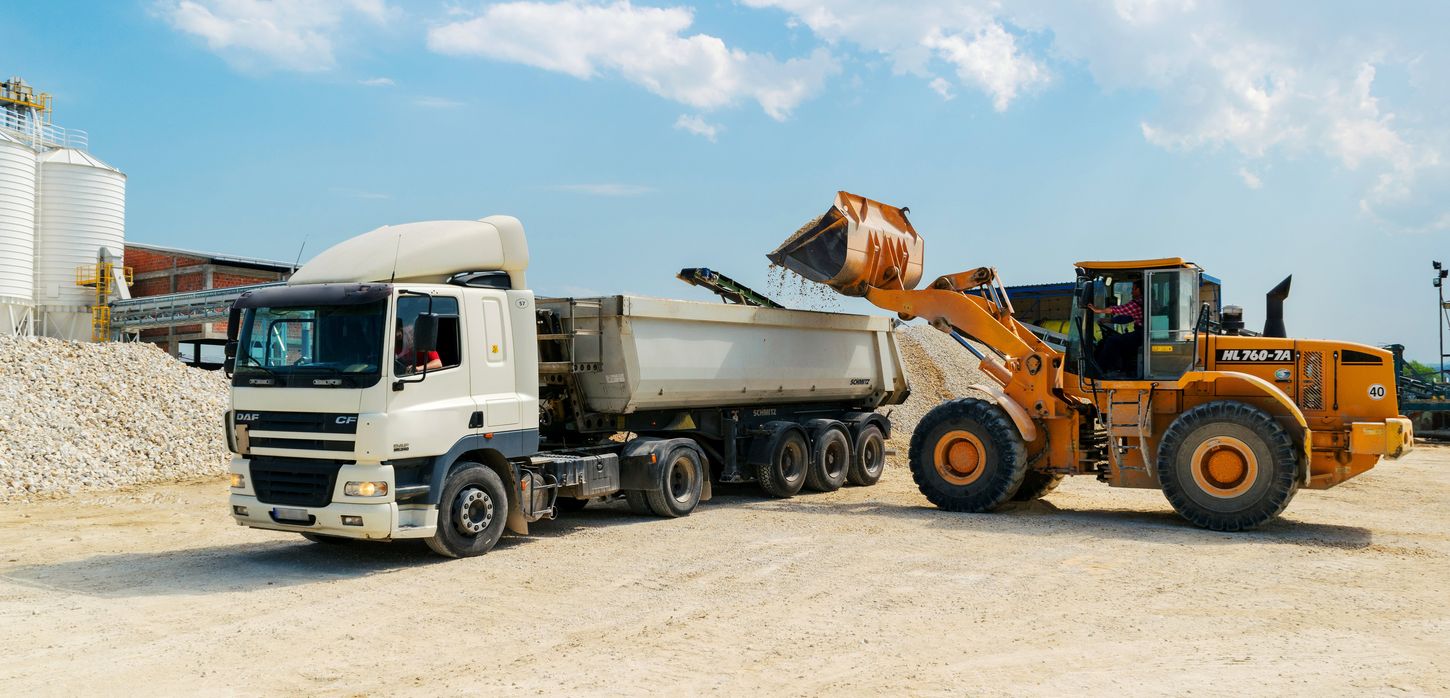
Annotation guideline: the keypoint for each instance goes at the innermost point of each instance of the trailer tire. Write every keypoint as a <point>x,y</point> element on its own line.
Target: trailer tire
<point>638,503</point>
<point>1037,484</point>
<point>682,479</point>
<point>784,473</point>
<point>1227,466</point>
<point>967,456</point>
<point>868,459</point>
<point>830,459</point>
<point>472,512</point>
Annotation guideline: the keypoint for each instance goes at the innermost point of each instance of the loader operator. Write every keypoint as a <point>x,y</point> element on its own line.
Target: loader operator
<point>1117,353</point>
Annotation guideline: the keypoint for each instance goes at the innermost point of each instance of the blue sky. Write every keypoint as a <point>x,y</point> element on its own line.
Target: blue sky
<point>1258,139</point>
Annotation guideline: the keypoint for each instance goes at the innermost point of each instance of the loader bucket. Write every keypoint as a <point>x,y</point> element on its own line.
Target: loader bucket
<point>857,244</point>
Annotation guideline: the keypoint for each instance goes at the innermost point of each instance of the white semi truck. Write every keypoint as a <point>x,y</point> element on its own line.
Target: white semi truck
<point>406,383</point>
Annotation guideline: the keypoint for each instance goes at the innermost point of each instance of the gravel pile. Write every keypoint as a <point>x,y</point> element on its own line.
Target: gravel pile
<point>84,417</point>
<point>939,369</point>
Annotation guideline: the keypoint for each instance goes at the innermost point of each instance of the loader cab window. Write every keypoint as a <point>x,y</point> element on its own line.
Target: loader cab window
<point>407,360</point>
<point>1171,316</point>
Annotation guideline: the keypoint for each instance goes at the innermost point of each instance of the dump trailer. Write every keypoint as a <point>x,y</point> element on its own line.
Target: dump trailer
<point>408,384</point>
<point>1149,392</point>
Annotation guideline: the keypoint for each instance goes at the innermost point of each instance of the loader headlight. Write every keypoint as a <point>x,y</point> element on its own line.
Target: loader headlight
<point>367,488</point>
<point>239,481</point>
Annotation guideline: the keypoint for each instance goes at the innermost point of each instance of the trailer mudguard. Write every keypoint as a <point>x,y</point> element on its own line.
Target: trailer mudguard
<point>642,463</point>
<point>860,420</point>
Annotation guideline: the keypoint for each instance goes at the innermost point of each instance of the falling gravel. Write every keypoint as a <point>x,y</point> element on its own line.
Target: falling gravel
<point>85,417</point>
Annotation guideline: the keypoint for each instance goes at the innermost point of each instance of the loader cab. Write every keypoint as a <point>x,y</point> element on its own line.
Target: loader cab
<point>1119,347</point>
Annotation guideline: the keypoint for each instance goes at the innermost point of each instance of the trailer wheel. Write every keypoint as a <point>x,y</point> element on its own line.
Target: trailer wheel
<point>471,512</point>
<point>785,473</point>
<point>1227,466</point>
<point>1036,485</point>
<point>681,480</point>
<point>966,455</point>
<point>869,457</point>
<point>830,460</point>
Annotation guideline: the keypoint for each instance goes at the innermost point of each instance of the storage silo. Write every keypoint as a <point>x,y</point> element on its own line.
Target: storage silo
<point>81,216</point>
<point>17,236</point>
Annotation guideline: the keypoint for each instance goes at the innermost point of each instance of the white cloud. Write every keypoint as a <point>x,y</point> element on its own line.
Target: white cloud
<point>1251,179</point>
<point>258,35</point>
<point>698,126</point>
<point>645,45</point>
<point>437,103</point>
<point>377,82</point>
<point>942,87</point>
<point>605,189</point>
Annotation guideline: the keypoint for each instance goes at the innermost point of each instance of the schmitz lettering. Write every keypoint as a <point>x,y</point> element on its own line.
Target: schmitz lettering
<point>1256,356</point>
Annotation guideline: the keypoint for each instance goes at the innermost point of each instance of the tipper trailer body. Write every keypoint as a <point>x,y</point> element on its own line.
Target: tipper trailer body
<point>408,384</point>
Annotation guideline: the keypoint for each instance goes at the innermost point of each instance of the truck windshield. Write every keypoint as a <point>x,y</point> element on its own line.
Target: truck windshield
<point>314,347</point>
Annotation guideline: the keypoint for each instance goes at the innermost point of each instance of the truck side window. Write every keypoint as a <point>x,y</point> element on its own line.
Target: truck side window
<point>449,342</point>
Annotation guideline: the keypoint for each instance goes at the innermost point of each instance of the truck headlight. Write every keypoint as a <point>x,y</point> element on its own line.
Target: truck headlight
<point>367,488</point>
<point>239,481</point>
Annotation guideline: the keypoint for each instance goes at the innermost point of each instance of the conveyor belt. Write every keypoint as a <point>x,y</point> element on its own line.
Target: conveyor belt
<point>174,309</point>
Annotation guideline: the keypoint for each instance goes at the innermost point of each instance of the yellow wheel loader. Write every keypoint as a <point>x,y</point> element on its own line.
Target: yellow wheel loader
<point>1150,390</point>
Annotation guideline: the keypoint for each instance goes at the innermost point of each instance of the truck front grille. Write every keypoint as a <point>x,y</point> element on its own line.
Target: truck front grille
<point>297,483</point>
<point>303,444</point>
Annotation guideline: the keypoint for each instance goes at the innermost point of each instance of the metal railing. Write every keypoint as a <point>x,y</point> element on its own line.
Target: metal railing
<point>40,134</point>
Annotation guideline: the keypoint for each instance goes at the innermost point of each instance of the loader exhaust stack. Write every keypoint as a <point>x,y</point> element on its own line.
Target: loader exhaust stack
<point>857,244</point>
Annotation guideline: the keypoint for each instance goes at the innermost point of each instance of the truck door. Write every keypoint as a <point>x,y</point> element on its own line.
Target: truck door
<point>432,410</point>
<point>491,349</point>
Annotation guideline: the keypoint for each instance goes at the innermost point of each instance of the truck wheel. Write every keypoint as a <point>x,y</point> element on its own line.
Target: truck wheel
<point>785,473</point>
<point>1036,485</point>
<point>1227,466</point>
<point>869,457</point>
<point>638,503</point>
<point>326,539</point>
<point>830,459</point>
<point>471,512</point>
<point>681,481</point>
<point>967,455</point>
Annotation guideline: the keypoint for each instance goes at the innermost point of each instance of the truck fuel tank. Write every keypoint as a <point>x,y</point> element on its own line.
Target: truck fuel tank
<point>856,244</point>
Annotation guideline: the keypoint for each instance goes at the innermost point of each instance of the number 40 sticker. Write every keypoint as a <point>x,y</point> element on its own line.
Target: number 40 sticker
<point>1376,392</point>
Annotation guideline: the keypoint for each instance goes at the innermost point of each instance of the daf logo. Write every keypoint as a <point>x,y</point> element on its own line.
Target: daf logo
<point>346,420</point>
<point>248,416</point>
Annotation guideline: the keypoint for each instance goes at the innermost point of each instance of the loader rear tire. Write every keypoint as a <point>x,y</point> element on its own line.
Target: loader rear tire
<point>869,457</point>
<point>830,460</point>
<point>1036,485</point>
<point>785,473</point>
<point>966,455</point>
<point>1227,466</point>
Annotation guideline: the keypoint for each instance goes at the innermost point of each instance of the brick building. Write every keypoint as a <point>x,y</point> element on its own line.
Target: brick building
<point>163,270</point>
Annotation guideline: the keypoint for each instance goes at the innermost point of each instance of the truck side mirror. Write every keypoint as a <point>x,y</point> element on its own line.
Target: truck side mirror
<point>234,322</point>
<point>425,333</point>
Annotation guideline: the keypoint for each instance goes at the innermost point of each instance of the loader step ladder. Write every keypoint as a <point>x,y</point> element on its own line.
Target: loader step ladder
<point>565,342</point>
<point>1126,420</point>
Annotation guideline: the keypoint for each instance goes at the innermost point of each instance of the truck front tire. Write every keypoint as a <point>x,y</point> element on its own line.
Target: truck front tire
<point>471,512</point>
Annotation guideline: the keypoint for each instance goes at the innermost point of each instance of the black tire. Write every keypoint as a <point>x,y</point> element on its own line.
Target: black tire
<point>570,504</point>
<point>682,479</point>
<point>868,459</point>
<point>1227,466</point>
<point>472,512</point>
<point>982,457</point>
<point>830,460</point>
<point>785,473</point>
<point>1036,485</point>
<point>326,539</point>
<point>638,503</point>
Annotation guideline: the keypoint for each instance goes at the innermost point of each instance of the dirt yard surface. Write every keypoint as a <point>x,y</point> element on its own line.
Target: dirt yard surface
<point>862,591</point>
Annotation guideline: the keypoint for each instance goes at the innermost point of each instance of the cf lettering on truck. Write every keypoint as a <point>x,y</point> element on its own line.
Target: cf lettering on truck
<point>406,383</point>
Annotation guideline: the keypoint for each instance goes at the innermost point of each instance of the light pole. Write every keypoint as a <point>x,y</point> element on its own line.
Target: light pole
<point>1440,273</point>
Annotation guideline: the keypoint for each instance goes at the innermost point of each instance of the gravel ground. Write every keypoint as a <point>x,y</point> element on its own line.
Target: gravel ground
<point>80,417</point>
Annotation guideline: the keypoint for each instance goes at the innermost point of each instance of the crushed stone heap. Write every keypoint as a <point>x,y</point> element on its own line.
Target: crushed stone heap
<point>80,418</point>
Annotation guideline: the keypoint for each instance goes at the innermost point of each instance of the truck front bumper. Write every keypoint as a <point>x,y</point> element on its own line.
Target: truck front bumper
<point>1391,438</point>
<point>378,521</point>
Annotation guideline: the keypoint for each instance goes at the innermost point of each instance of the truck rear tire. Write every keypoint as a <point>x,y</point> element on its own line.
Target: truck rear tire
<point>1227,466</point>
<point>682,479</point>
<point>830,460</point>
<point>471,512</point>
<point>868,459</point>
<point>785,473</point>
<point>967,455</point>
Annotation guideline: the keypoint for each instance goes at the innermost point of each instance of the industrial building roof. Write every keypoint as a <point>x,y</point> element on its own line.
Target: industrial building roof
<point>232,260</point>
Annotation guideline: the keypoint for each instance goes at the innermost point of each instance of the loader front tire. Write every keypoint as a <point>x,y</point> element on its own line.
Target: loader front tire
<point>966,455</point>
<point>1227,466</point>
